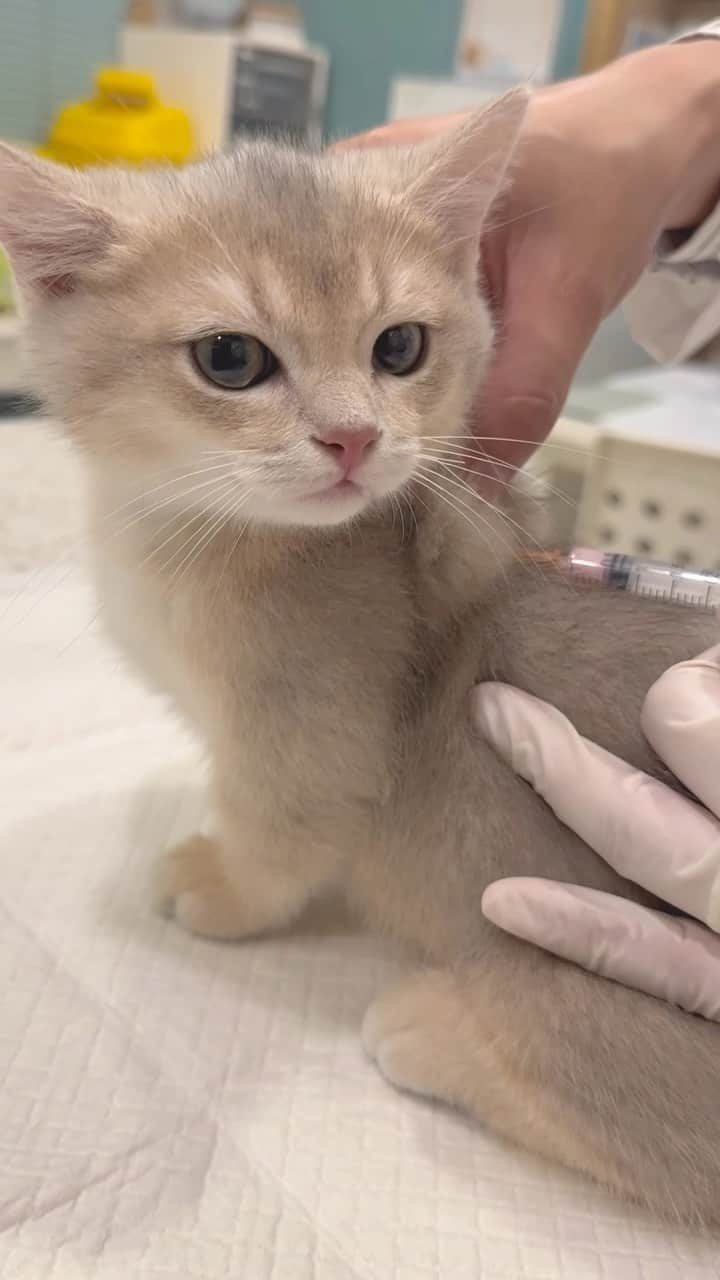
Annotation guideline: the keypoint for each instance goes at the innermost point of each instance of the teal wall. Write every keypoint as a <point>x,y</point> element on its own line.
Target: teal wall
<point>47,51</point>
<point>571,32</point>
<point>49,47</point>
<point>372,40</point>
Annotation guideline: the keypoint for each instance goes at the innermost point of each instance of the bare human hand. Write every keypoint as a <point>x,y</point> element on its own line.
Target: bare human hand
<point>606,164</point>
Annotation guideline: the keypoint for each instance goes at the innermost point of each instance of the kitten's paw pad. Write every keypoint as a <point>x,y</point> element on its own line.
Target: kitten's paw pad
<point>190,885</point>
<point>406,1032</point>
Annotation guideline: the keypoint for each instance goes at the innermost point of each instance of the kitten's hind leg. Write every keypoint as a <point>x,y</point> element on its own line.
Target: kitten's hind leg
<point>222,894</point>
<point>441,1033</point>
<point>417,1034</point>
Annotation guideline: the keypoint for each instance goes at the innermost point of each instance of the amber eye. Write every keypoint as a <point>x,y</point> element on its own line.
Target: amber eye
<point>400,350</point>
<point>234,360</point>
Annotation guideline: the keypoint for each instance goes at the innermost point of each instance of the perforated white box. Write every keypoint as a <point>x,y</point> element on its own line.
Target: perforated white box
<point>636,496</point>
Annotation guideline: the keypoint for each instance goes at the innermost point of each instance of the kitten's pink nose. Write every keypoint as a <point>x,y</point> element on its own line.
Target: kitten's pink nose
<point>349,445</point>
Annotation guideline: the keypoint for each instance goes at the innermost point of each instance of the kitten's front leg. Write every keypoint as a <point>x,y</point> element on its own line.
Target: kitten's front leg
<point>242,882</point>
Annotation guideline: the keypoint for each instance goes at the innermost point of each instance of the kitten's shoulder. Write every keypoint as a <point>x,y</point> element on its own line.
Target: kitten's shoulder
<point>465,541</point>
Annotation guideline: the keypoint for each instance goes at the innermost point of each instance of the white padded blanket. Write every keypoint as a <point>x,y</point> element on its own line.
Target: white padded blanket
<point>173,1109</point>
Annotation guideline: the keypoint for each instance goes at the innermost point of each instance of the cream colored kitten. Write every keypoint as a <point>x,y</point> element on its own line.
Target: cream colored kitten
<point>267,361</point>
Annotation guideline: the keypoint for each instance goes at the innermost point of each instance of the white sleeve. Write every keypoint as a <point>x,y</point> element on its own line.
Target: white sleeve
<point>674,309</point>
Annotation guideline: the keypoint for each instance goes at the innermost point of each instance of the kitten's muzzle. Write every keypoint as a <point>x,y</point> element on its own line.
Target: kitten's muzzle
<point>348,446</point>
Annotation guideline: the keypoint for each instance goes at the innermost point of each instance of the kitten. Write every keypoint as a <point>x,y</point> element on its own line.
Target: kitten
<point>267,360</point>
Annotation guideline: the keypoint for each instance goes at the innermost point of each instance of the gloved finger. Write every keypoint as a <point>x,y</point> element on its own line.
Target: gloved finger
<point>681,719</point>
<point>644,829</point>
<point>675,960</point>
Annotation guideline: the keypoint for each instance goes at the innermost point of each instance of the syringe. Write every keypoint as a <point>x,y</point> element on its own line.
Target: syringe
<point>646,578</point>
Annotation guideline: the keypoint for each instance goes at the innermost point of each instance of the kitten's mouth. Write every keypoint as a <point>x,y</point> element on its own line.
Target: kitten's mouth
<point>343,488</point>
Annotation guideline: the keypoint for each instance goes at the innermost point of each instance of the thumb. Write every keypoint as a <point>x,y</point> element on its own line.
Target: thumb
<point>545,330</point>
<point>403,132</point>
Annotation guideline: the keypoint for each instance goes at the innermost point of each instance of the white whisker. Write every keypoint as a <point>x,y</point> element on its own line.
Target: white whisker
<point>472,438</point>
<point>223,491</point>
<point>230,554</point>
<point>460,507</point>
<point>230,509</point>
<point>457,461</point>
<point>148,493</point>
<point>464,487</point>
<point>173,500</point>
<point>27,591</point>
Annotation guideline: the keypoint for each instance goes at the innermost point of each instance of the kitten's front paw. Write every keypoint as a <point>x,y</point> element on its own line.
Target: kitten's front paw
<point>408,1032</point>
<point>190,885</point>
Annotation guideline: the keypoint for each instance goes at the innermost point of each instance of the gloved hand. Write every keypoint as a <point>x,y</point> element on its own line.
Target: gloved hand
<point>646,831</point>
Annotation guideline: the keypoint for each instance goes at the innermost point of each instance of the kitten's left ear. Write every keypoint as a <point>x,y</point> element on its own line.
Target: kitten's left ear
<point>53,234</point>
<point>463,172</point>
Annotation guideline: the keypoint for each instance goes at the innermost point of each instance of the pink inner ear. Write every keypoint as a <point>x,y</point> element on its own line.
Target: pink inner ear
<point>53,238</point>
<point>465,171</point>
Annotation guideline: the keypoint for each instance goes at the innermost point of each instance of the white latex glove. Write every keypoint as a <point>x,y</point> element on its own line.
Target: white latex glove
<point>646,831</point>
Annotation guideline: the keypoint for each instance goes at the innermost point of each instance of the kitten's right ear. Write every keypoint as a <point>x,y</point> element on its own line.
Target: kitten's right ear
<point>460,174</point>
<point>53,236</point>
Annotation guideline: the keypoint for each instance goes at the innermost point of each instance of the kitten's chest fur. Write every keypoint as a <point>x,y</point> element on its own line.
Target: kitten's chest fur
<point>305,659</point>
<point>330,680</point>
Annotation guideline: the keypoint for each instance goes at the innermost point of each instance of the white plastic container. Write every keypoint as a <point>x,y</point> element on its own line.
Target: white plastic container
<point>635,495</point>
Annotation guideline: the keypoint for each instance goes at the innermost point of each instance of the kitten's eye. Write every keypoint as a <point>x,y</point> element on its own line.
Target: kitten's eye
<point>234,360</point>
<point>400,350</point>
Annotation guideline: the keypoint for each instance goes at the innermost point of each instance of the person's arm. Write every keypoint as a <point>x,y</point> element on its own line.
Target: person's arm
<point>674,310</point>
<point>647,832</point>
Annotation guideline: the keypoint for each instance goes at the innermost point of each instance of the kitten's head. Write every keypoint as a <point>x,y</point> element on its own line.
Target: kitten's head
<point>308,323</point>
